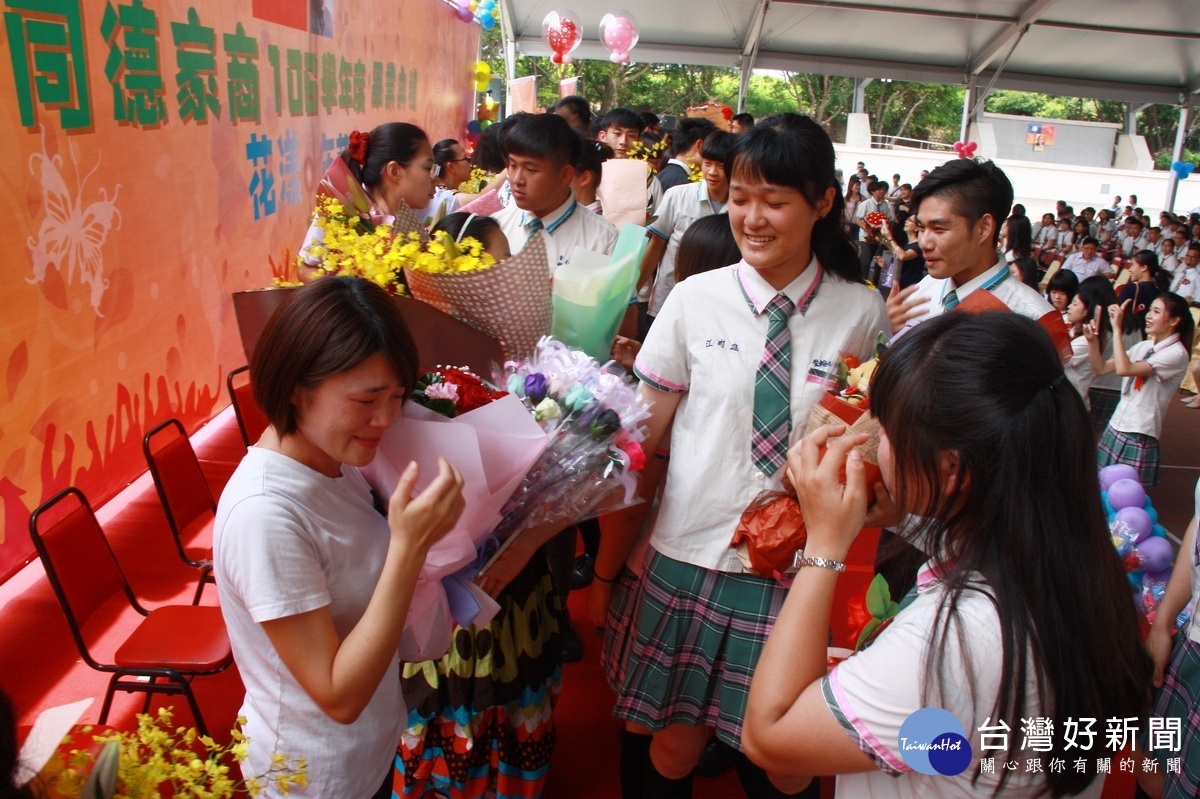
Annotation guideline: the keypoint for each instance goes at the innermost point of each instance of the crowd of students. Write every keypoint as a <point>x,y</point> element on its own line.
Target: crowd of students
<point>754,277</point>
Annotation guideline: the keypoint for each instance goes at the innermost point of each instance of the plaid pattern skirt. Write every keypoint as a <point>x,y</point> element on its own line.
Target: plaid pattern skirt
<point>1102,402</point>
<point>1135,449</point>
<point>1179,698</point>
<point>617,629</point>
<point>696,638</point>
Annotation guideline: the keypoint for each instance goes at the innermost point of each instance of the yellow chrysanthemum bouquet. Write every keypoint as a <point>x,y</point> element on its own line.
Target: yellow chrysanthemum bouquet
<point>162,760</point>
<point>509,300</point>
<point>352,244</point>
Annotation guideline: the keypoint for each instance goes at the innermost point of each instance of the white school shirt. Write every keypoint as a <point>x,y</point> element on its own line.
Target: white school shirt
<point>288,540</point>
<point>1129,246</point>
<point>1079,370</point>
<point>870,206</point>
<point>1186,282</point>
<point>681,206</point>
<point>874,691</point>
<point>1016,295</point>
<point>1170,263</point>
<point>444,203</point>
<point>1086,268</point>
<point>1143,410</point>
<point>707,344</point>
<point>567,227</point>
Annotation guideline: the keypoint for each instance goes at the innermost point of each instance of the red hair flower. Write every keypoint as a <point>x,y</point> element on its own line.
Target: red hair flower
<point>358,146</point>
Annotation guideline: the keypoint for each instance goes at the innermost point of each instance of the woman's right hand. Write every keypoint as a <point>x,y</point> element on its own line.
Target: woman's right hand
<point>599,597</point>
<point>422,520</point>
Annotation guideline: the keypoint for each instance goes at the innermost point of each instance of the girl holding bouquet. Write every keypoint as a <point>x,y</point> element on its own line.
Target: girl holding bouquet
<point>379,173</point>
<point>996,628</point>
<point>315,582</point>
<point>699,619</point>
<point>1152,371</point>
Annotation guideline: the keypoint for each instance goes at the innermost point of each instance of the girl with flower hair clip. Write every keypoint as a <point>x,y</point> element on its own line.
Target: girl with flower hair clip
<point>380,175</point>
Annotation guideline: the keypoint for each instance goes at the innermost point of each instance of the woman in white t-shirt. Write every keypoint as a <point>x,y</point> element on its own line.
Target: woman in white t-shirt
<point>1094,292</point>
<point>315,582</point>
<point>1003,625</point>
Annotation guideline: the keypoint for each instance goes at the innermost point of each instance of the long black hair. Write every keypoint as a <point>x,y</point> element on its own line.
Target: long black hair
<point>10,753</point>
<point>1020,236</point>
<point>1023,523</point>
<point>793,150</point>
<point>1177,308</point>
<point>1097,292</point>
<point>391,141</point>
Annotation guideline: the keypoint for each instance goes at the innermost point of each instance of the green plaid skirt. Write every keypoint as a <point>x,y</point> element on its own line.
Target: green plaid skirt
<point>1179,698</point>
<point>1135,449</point>
<point>695,639</point>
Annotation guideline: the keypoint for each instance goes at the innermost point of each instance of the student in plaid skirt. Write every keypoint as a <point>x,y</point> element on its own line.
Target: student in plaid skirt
<point>1177,675</point>
<point>699,618</point>
<point>1152,371</point>
<point>1021,612</point>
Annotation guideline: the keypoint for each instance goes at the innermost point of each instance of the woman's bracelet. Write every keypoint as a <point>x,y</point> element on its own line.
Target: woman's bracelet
<point>601,579</point>
<point>822,563</point>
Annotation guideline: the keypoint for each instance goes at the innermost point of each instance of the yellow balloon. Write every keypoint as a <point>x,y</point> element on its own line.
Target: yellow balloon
<point>481,85</point>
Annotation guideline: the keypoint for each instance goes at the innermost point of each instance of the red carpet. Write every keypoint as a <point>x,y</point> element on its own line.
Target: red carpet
<point>40,668</point>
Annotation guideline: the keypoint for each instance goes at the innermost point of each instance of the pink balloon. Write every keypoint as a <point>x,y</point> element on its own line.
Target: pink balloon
<point>464,12</point>
<point>619,33</point>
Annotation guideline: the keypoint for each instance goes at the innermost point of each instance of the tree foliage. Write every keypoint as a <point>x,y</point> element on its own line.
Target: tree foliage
<point>924,111</point>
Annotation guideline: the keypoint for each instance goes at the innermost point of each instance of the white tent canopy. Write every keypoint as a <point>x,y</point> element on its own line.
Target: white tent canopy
<point>1136,52</point>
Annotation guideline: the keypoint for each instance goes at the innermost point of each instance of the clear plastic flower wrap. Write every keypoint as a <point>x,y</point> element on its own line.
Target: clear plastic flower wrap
<point>593,417</point>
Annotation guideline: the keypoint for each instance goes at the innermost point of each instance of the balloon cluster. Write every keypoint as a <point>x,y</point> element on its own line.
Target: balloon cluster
<point>965,149</point>
<point>486,11</point>
<point>563,32</point>
<point>1182,169</point>
<point>1140,540</point>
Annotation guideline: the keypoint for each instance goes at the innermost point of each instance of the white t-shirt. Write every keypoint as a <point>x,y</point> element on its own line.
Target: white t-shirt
<point>1016,295</point>
<point>287,540</point>
<point>681,206</point>
<point>707,344</point>
<point>444,203</point>
<point>569,226</point>
<point>1187,282</point>
<point>1086,268</point>
<point>874,691</point>
<point>1142,410</point>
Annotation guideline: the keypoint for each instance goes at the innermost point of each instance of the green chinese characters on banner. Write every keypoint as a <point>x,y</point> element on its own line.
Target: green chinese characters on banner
<point>45,40</point>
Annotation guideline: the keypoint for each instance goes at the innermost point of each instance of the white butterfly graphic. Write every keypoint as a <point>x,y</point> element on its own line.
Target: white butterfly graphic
<point>72,235</point>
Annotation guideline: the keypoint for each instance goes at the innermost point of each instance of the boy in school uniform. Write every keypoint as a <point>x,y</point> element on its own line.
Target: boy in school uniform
<point>686,143</point>
<point>542,153</point>
<point>959,210</point>
<point>681,206</point>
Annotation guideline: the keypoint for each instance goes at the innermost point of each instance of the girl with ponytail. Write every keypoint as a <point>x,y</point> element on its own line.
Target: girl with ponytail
<point>391,166</point>
<point>699,618</point>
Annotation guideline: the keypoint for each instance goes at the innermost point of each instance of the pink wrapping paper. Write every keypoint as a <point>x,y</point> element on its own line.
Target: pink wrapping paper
<point>493,447</point>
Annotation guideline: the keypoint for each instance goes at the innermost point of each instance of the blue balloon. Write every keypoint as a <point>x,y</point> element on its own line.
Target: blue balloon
<point>1158,531</point>
<point>487,5</point>
<point>487,22</point>
<point>474,127</point>
<point>1153,514</point>
<point>1182,169</point>
<point>1135,579</point>
<point>1108,509</point>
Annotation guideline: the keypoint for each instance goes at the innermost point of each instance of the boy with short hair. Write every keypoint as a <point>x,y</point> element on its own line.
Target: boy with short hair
<point>959,210</point>
<point>686,143</point>
<point>619,129</point>
<point>542,153</point>
<point>681,206</point>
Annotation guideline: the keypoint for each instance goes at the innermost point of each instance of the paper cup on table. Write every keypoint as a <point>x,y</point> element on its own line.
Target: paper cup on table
<point>509,301</point>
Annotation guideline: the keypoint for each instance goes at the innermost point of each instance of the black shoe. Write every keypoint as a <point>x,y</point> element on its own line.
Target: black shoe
<point>716,759</point>
<point>581,575</point>
<point>572,645</point>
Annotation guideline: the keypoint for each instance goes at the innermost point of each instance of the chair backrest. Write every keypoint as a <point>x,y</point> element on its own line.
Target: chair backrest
<point>182,487</point>
<point>250,419</point>
<point>81,566</point>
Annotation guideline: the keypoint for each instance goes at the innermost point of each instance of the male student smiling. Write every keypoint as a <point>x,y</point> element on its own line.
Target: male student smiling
<point>959,209</point>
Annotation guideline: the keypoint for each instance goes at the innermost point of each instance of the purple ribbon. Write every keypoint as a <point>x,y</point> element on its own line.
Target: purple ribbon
<point>464,606</point>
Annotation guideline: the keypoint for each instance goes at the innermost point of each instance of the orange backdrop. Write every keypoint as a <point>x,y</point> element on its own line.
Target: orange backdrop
<point>157,156</point>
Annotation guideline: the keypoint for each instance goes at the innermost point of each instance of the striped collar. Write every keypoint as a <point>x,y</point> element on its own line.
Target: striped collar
<point>988,281</point>
<point>801,291</point>
<point>558,216</point>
